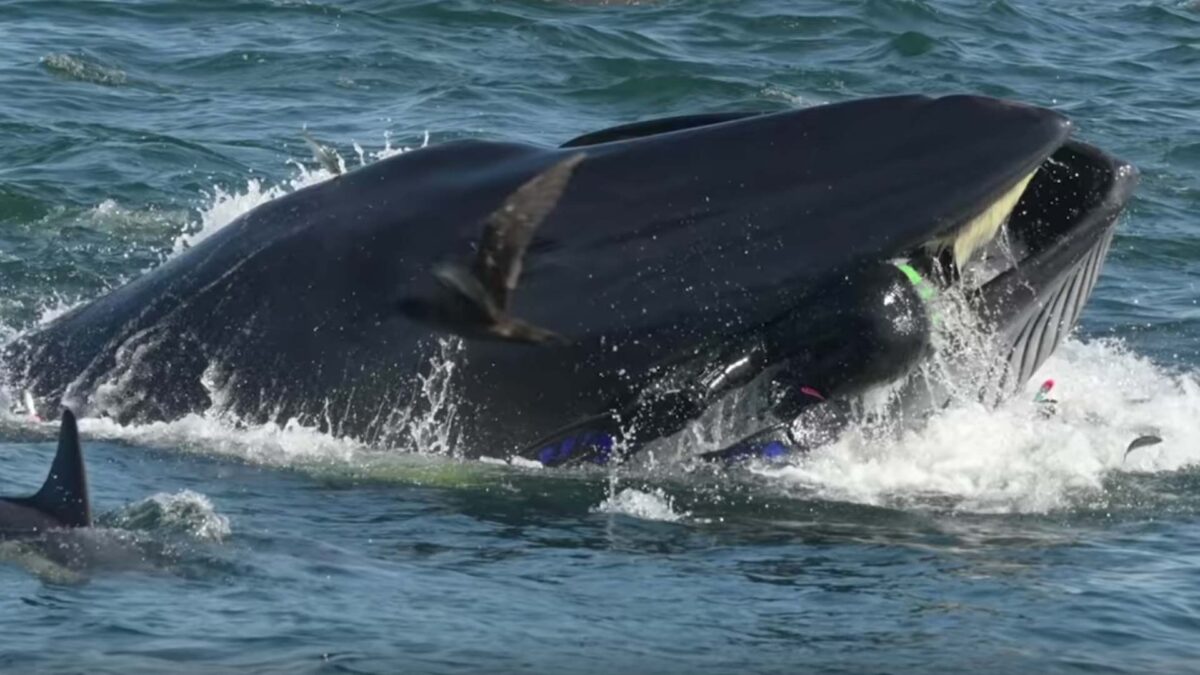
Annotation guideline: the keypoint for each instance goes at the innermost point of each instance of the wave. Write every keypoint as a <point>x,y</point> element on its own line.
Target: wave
<point>84,68</point>
<point>184,512</point>
<point>1014,458</point>
<point>646,505</point>
<point>225,206</point>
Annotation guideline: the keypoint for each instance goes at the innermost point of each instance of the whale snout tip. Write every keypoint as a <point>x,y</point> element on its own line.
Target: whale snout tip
<point>1047,119</point>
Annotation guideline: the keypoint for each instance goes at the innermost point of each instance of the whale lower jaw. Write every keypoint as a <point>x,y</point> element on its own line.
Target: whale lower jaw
<point>1064,227</point>
<point>1059,309</point>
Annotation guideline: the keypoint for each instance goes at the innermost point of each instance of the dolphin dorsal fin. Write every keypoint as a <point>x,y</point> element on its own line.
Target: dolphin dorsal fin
<point>64,495</point>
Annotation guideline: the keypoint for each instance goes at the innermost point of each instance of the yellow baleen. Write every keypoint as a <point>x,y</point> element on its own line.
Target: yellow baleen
<point>983,227</point>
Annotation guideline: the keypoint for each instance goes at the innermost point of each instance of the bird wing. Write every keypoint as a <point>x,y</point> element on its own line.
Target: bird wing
<point>509,229</point>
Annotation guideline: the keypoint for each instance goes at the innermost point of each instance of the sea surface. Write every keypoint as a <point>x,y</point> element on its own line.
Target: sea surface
<point>990,541</point>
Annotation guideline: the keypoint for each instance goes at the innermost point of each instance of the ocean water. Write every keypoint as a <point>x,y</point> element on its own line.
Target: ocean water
<point>992,540</point>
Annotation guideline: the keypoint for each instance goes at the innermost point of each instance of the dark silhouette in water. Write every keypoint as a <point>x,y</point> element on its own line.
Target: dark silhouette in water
<point>682,259</point>
<point>62,501</point>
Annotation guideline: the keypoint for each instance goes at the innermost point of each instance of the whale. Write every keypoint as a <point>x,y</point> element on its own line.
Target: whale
<point>585,299</point>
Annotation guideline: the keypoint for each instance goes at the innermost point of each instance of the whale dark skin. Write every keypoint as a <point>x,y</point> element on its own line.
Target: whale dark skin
<point>683,258</point>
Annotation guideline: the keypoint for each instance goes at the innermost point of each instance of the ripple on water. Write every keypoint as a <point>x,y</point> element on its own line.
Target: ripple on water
<point>84,68</point>
<point>184,512</point>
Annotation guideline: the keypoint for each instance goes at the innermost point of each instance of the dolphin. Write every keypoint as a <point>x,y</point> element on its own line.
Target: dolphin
<point>62,502</point>
<point>608,291</point>
<point>53,534</point>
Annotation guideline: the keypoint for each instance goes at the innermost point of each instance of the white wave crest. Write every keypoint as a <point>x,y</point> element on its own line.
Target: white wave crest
<point>284,445</point>
<point>1011,458</point>
<point>652,505</point>
<point>184,511</point>
<point>226,205</point>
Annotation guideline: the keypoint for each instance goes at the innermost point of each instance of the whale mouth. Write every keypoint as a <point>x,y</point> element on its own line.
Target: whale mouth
<point>1031,259</point>
<point>960,245</point>
<point>1072,193</point>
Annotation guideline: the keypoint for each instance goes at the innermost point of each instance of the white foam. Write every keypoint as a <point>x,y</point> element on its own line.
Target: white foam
<point>288,444</point>
<point>84,68</point>
<point>1011,459</point>
<point>186,511</point>
<point>225,206</point>
<point>652,505</point>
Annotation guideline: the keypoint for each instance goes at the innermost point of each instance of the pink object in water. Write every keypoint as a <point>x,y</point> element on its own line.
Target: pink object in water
<point>1044,390</point>
<point>809,391</point>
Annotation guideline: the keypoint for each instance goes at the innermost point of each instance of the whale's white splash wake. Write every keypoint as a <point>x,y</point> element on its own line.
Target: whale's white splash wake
<point>1014,459</point>
<point>226,205</point>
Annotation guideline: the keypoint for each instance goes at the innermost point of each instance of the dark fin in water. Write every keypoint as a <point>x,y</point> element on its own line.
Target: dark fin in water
<point>484,292</point>
<point>652,127</point>
<point>592,441</point>
<point>64,495</point>
<point>1141,442</point>
<point>816,424</point>
<point>772,443</point>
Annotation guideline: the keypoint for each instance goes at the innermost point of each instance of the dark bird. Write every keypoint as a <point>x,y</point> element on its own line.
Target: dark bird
<point>475,301</point>
<point>325,156</point>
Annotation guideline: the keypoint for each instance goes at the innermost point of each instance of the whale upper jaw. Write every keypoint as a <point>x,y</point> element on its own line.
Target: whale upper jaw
<point>941,182</point>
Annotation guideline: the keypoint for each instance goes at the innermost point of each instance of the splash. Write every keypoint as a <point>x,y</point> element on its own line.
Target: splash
<point>426,424</point>
<point>1013,458</point>
<point>652,505</point>
<point>225,206</point>
<point>290,444</point>
<point>971,457</point>
<point>184,512</point>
